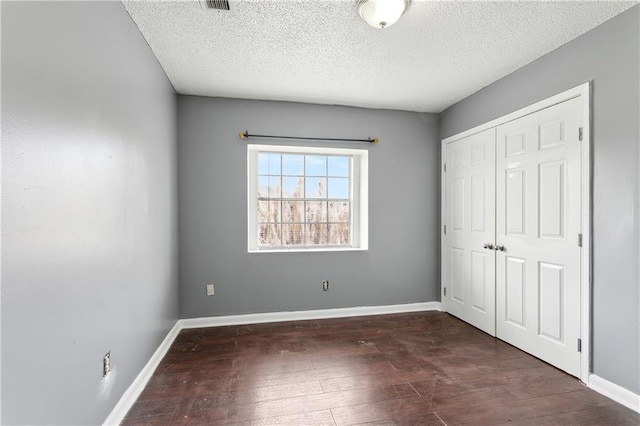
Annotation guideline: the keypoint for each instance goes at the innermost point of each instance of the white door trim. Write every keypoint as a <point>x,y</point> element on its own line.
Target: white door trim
<point>584,92</point>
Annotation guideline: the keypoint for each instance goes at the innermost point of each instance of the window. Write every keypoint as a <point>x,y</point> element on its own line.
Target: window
<point>307,198</point>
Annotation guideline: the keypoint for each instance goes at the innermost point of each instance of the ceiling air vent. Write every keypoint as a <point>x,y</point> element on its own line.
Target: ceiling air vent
<point>215,4</point>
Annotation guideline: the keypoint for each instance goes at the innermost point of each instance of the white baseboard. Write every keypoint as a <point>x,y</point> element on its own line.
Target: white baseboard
<point>135,389</point>
<point>307,315</point>
<point>617,393</point>
<point>133,392</point>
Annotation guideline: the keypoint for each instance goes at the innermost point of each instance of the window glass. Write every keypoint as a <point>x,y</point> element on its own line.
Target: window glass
<point>306,200</point>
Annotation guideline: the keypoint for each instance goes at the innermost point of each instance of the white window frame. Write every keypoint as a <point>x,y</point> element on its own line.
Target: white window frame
<point>359,196</point>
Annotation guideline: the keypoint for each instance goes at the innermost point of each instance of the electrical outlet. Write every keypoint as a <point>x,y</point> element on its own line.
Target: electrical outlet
<point>325,285</point>
<point>210,290</point>
<point>106,364</point>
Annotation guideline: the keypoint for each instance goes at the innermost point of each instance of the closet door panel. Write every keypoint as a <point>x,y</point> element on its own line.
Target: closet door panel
<point>470,220</point>
<point>538,214</point>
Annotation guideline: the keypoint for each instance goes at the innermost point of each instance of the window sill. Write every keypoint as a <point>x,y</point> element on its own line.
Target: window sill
<point>307,250</point>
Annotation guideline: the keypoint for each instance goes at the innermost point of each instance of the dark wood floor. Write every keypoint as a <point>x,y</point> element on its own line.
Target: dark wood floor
<point>420,369</point>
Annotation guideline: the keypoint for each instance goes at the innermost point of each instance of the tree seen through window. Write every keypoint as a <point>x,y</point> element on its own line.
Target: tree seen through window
<point>303,200</point>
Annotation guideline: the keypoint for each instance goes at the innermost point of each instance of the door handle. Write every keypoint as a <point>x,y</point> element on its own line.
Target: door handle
<point>500,247</point>
<point>488,246</point>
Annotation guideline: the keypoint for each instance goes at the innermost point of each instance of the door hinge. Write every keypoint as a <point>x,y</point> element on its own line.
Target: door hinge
<point>580,345</point>
<point>445,229</point>
<point>580,133</point>
<point>579,240</point>
<point>445,167</point>
<point>445,292</point>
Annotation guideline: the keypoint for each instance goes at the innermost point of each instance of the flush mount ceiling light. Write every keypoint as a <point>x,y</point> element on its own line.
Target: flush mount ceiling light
<point>381,13</point>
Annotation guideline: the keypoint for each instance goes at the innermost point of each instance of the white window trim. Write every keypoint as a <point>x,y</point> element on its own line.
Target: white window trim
<point>359,187</point>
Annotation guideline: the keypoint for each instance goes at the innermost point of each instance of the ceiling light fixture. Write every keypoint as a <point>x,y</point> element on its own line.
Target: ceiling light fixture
<point>381,13</point>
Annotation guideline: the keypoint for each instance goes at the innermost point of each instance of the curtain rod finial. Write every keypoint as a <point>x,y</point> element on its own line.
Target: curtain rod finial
<point>242,135</point>
<point>375,141</point>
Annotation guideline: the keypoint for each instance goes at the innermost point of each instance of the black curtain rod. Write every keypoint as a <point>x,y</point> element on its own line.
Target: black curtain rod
<point>246,135</point>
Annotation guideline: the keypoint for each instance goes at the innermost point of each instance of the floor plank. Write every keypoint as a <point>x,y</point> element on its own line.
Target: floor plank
<point>425,368</point>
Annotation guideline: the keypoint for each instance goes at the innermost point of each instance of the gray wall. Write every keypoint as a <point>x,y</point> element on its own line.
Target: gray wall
<point>402,263</point>
<point>608,56</point>
<point>89,225</point>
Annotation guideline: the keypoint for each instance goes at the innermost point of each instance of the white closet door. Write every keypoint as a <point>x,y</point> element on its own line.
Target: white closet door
<point>470,222</point>
<point>538,180</point>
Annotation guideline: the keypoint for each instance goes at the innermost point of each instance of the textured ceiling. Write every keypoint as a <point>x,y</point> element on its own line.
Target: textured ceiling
<point>320,51</point>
